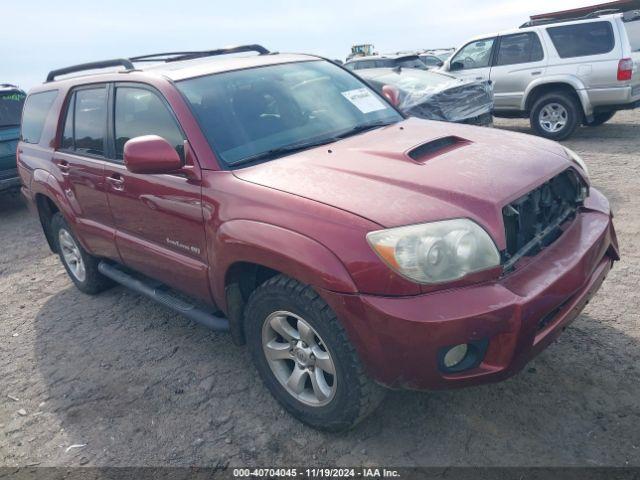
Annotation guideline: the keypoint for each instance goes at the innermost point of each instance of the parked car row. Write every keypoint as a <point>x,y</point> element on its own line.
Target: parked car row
<point>558,73</point>
<point>281,198</point>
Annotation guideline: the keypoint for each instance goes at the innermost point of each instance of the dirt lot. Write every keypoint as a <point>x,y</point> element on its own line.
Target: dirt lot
<point>137,385</point>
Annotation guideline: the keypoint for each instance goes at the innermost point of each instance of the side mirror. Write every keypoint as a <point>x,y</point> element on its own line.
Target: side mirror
<point>456,66</point>
<point>440,63</point>
<point>392,94</point>
<point>151,154</point>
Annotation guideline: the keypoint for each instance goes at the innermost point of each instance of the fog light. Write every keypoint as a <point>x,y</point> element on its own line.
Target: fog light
<point>455,355</point>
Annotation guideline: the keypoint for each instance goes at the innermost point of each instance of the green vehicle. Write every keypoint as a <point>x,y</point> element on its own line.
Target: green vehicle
<point>11,101</point>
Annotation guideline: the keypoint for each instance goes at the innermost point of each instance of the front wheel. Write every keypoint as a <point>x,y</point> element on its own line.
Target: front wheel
<point>555,115</point>
<point>304,357</point>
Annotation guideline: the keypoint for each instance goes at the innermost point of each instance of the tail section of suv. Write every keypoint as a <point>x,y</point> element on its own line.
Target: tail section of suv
<point>560,74</point>
<point>287,202</point>
<point>11,101</point>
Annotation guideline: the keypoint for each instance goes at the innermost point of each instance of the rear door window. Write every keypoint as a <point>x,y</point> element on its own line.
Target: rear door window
<point>519,48</point>
<point>582,39</point>
<point>90,120</point>
<point>139,112</point>
<point>36,110</point>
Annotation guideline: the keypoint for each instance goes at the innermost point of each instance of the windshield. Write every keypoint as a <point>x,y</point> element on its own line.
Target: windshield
<point>259,113</point>
<point>11,108</point>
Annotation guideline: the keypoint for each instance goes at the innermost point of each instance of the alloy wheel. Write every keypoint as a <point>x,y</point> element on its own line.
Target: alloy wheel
<point>71,255</point>
<point>299,358</point>
<point>553,117</point>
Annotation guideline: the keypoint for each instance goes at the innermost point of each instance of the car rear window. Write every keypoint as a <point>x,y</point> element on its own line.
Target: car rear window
<point>36,109</point>
<point>11,103</point>
<point>582,39</point>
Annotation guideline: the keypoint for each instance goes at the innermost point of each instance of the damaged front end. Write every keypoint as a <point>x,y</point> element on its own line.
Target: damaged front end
<point>535,220</point>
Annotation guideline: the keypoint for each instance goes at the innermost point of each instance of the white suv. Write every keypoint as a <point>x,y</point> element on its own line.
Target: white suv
<point>560,74</point>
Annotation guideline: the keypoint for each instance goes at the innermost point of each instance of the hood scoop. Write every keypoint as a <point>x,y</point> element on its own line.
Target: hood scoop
<point>436,147</point>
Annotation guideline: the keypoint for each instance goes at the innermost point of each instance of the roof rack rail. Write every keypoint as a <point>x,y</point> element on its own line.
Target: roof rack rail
<point>179,56</point>
<point>551,20</point>
<point>126,63</point>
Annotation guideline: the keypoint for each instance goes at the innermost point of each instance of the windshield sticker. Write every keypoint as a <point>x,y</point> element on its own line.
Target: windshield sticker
<point>364,100</point>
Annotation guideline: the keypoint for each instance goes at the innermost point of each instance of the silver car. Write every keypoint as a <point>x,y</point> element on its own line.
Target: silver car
<point>560,74</point>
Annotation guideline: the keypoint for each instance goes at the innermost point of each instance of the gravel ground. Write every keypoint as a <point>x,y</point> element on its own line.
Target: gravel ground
<point>137,386</point>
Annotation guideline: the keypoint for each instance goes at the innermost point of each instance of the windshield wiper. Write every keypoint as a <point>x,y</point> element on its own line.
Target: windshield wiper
<point>299,146</point>
<point>285,150</point>
<point>362,128</point>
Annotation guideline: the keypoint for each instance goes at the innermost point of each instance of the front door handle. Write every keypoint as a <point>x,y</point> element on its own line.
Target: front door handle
<point>116,181</point>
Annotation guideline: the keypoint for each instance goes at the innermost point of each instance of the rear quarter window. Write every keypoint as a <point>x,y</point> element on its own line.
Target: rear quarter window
<point>582,39</point>
<point>36,109</point>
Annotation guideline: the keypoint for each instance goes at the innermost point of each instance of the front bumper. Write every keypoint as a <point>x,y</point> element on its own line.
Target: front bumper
<point>398,339</point>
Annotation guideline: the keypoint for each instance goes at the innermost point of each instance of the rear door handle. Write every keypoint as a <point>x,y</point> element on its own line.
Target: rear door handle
<point>537,72</point>
<point>63,165</point>
<point>116,181</point>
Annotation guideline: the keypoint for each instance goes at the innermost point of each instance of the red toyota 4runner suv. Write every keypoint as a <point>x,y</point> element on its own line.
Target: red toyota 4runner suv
<point>280,198</point>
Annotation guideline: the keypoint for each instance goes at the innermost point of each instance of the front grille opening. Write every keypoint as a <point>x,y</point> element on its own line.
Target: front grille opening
<point>439,145</point>
<point>535,220</point>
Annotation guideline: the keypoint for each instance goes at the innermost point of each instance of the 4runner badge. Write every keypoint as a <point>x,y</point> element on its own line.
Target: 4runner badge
<point>182,246</point>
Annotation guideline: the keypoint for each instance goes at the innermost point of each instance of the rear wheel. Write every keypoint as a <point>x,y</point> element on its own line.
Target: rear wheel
<point>555,115</point>
<point>599,119</point>
<point>81,267</point>
<point>304,357</point>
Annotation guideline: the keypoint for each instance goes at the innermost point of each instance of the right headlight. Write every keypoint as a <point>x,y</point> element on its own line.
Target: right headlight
<point>436,252</point>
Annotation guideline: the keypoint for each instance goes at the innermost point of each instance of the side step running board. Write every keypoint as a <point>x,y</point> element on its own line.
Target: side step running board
<point>151,289</point>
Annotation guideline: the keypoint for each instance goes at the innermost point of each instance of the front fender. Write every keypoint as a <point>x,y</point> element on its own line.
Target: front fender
<point>277,248</point>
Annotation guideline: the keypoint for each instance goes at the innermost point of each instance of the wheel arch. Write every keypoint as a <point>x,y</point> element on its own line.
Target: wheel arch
<point>251,252</point>
<point>46,197</point>
<point>572,86</point>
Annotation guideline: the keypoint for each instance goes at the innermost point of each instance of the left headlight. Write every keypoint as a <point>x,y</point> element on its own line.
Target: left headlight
<point>575,158</point>
<point>436,252</point>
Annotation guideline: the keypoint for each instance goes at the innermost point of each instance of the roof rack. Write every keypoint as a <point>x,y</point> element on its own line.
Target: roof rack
<point>127,63</point>
<point>551,20</point>
<point>179,56</point>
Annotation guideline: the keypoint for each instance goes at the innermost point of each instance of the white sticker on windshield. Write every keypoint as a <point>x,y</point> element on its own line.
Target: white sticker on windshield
<point>364,100</point>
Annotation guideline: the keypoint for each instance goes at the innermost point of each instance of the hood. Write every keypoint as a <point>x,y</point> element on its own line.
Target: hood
<point>372,176</point>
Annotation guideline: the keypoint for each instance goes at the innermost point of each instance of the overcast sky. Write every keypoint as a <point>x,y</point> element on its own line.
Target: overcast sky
<point>37,36</point>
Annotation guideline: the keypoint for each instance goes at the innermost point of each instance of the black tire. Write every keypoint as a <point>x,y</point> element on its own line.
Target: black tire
<point>600,119</point>
<point>356,395</point>
<point>93,282</point>
<point>572,108</point>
